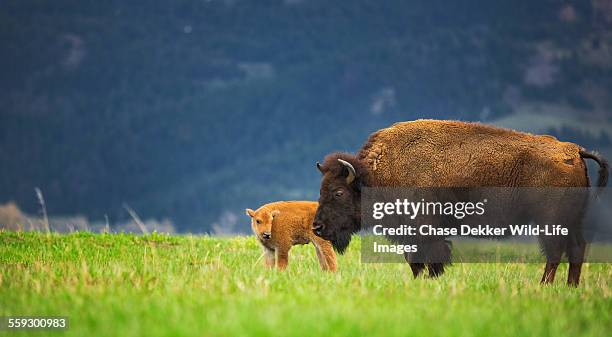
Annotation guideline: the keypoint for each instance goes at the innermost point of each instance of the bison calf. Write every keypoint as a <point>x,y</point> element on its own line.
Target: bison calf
<point>280,225</point>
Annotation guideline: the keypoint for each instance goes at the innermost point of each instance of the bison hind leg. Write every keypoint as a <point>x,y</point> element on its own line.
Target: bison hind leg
<point>574,245</point>
<point>549,272</point>
<point>576,248</point>
<point>553,248</point>
<point>566,207</point>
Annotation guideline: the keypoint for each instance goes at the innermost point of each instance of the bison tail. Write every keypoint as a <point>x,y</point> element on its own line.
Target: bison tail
<point>602,181</point>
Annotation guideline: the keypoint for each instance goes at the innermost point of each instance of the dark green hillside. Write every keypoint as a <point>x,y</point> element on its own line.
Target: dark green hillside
<point>189,109</point>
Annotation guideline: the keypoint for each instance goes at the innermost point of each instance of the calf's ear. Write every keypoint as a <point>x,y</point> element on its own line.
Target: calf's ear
<point>250,212</point>
<point>275,213</point>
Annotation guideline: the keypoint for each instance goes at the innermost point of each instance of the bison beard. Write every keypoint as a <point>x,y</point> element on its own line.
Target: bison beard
<point>341,240</point>
<point>338,229</point>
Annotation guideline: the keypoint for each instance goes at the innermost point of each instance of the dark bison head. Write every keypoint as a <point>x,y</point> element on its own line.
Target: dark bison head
<point>339,212</point>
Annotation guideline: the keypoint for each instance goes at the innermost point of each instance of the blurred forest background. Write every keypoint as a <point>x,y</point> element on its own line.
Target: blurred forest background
<point>191,111</point>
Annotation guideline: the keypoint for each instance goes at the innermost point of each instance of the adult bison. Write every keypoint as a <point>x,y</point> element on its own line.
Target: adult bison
<point>433,153</point>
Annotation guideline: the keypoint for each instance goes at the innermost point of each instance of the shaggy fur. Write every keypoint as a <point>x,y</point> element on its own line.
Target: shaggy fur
<point>433,153</point>
<point>289,223</point>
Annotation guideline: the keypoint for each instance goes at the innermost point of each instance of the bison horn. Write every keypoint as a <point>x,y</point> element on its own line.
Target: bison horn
<point>351,169</point>
<point>319,167</point>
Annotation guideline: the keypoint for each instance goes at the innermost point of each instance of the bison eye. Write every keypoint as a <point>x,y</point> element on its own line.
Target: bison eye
<point>338,193</point>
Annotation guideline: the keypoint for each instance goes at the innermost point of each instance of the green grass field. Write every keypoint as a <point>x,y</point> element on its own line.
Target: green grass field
<point>158,285</point>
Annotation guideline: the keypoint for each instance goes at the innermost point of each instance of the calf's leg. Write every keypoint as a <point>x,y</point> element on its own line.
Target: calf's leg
<point>326,254</point>
<point>269,258</point>
<point>282,257</point>
<point>321,258</point>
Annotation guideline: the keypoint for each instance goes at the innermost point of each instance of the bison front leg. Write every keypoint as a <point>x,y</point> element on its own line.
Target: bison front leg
<point>434,254</point>
<point>438,254</point>
<point>435,269</point>
<point>417,268</point>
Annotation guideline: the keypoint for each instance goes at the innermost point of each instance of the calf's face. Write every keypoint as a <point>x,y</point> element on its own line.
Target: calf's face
<point>261,223</point>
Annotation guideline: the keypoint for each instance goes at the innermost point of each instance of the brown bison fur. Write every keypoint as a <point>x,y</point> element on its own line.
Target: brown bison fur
<point>434,153</point>
<point>283,224</point>
<point>450,153</point>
